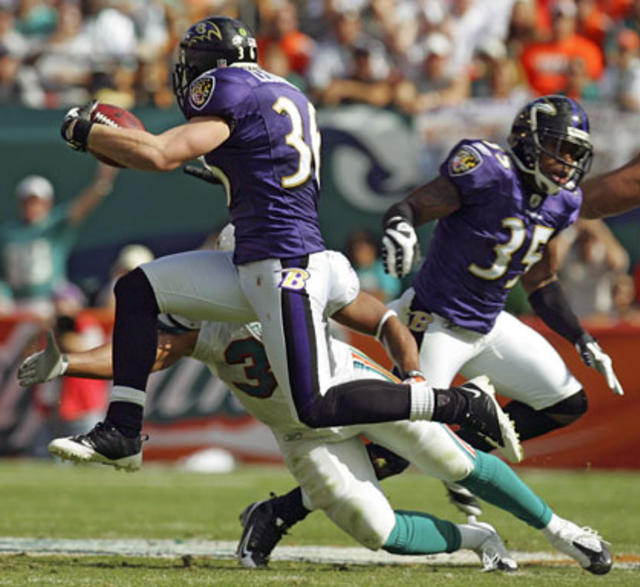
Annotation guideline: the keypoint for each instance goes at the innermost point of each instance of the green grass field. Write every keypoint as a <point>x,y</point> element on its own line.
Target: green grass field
<point>44,500</point>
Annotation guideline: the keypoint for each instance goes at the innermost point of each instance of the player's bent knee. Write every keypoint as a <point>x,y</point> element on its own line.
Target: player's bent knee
<point>368,523</point>
<point>569,409</point>
<point>134,292</point>
<point>317,414</point>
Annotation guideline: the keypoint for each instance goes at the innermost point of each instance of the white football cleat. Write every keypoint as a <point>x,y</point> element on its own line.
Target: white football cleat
<point>492,551</point>
<point>584,545</point>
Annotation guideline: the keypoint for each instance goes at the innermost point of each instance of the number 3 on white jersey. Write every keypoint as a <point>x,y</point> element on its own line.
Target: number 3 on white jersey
<point>308,150</point>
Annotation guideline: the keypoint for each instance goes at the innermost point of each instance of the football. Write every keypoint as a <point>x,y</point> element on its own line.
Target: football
<point>111,115</point>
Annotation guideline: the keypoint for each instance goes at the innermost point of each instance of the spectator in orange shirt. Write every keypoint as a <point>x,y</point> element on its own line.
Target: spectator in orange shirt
<point>593,23</point>
<point>546,64</point>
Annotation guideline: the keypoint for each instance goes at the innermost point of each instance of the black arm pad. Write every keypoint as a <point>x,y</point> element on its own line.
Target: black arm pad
<point>402,209</point>
<point>550,303</point>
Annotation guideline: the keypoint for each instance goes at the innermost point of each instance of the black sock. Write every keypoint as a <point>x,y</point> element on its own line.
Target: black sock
<point>125,417</point>
<point>365,401</point>
<point>135,338</point>
<point>532,423</point>
<point>289,507</point>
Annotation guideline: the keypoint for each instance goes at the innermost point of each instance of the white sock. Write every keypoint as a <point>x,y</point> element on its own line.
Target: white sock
<point>472,537</point>
<point>553,527</point>
<point>422,402</point>
<point>121,393</point>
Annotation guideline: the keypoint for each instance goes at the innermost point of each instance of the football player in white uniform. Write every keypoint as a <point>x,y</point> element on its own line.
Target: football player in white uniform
<point>332,464</point>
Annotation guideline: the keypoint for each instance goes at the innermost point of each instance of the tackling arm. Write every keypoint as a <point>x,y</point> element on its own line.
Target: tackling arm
<point>96,363</point>
<point>370,316</point>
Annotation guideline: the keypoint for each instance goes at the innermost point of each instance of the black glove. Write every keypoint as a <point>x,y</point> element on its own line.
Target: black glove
<point>77,137</point>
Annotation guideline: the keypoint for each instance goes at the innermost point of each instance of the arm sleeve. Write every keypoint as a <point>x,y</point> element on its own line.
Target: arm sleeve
<point>550,303</point>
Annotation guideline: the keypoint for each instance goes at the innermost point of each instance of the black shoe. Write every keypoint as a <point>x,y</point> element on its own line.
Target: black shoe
<point>262,530</point>
<point>103,444</point>
<point>385,462</point>
<point>463,499</point>
<point>485,417</point>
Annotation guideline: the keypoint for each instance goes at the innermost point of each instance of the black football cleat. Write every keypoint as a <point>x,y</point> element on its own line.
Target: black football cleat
<point>463,499</point>
<point>485,417</point>
<point>262,530</point>
<point>103,444</point>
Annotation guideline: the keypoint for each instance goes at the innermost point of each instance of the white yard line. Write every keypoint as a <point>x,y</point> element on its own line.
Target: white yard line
<point>226,550</point>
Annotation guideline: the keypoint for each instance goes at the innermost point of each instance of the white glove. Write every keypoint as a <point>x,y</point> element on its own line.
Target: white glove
<point>593,356</point>
<point>399,245</point>
<point>43,365</point>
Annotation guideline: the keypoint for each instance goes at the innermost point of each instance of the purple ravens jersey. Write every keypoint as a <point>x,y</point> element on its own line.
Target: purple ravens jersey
<point>478,253</point>
<point>269,165</point>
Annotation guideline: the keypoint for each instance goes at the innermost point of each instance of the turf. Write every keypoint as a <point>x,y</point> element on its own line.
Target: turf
<point>47,500</point>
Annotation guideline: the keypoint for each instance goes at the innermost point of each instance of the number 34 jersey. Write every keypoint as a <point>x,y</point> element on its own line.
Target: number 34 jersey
<point>270,164</point>
<point>500,231</point>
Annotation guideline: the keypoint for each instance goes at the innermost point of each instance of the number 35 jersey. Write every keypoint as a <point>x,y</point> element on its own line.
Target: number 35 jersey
<point>478,253</point>
<point>270,164</point>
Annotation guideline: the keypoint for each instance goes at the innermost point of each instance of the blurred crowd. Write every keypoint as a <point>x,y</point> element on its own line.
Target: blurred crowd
<point>412,55</point>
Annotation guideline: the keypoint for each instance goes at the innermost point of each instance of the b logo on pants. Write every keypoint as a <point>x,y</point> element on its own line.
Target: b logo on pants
<point>419,321</point>
<point>295,279</point>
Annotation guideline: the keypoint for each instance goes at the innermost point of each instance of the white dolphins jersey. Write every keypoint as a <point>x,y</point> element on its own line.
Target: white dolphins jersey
<point>235,353</point>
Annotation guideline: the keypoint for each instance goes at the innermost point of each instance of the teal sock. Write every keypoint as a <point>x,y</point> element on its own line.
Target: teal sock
<point>418,533</point>
<point>495,482</point>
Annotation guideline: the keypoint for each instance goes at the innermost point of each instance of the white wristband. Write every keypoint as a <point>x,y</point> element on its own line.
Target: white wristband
<point>388,314</point>
<point>64,365</point>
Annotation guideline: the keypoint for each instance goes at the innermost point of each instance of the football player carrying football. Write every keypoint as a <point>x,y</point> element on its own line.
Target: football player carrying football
<point>258,135</point>
<point>499,211</point>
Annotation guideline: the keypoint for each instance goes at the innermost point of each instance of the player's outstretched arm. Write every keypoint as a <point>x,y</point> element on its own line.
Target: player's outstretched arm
<point>50,363</point>
<point>612,193</point>
<point>549,302</point>
<point>370,316</point>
